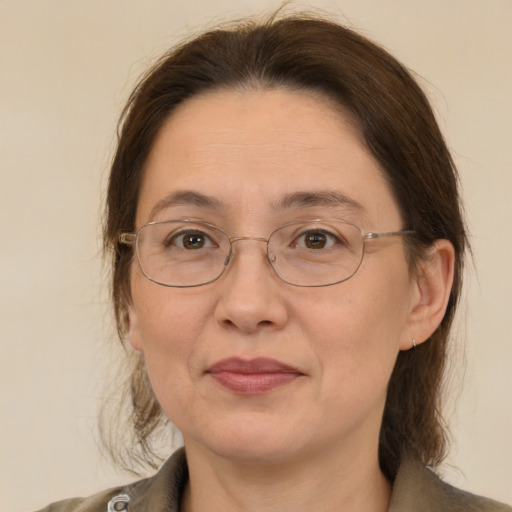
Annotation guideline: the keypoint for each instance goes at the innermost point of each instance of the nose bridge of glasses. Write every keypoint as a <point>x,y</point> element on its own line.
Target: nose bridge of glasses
<point>235,239</point>
<point>255,238</point>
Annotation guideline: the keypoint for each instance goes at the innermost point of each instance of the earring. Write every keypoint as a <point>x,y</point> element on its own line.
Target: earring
<point>414,342</point>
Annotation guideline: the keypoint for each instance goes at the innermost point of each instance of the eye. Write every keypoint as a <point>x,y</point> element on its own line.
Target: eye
<point>316,240</point>
<point>189,240</point>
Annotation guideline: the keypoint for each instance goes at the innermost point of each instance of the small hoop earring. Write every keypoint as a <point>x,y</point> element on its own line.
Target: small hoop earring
<point>414,342</point>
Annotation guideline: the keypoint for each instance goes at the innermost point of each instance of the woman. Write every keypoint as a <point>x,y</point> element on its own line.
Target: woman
<point>288,247</point>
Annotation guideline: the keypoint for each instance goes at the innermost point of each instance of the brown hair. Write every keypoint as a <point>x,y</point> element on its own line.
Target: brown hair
<point>398,127</point>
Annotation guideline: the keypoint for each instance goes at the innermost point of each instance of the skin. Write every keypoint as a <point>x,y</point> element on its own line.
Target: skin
<point>310,444</point>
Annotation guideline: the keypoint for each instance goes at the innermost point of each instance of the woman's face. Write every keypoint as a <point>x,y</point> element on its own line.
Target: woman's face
<point>250,367</point>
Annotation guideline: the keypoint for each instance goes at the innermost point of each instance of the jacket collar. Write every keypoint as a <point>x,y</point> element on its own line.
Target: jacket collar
<point>161,492</point>
<point>419,489</point>
<point>415,489</point>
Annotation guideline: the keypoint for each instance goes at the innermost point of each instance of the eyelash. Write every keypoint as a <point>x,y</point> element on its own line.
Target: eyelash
<point>329,236</point>
<point>170,240</point>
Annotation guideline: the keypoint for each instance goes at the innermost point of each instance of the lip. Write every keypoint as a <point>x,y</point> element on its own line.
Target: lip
<point>254,376</point>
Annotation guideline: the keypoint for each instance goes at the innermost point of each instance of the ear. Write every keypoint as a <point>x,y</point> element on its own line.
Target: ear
<point>430,294</point>
<point>133,329</point>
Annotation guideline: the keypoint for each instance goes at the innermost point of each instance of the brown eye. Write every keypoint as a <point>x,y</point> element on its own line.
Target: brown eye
<point>189,240</point>
<point>193,241</point>
<point>315,240</point>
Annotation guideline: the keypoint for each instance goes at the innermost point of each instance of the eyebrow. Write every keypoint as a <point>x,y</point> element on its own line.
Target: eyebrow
<point>327,198</point>
<point>185,198</point>
<point>309,199</point>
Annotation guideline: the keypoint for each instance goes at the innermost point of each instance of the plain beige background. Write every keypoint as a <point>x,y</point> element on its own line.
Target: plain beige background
<point>66,68</point>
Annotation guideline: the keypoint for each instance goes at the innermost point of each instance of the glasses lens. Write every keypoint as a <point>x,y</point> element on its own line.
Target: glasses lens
<point>316,253</point>
<point>182,253</point>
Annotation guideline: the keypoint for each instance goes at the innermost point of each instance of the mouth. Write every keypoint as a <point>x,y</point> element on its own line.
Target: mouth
<point>252,377</point>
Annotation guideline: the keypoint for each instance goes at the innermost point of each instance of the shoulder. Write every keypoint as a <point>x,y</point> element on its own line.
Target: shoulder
<point>418,489</point>
<point>96,503</point>
<point>160,492</point>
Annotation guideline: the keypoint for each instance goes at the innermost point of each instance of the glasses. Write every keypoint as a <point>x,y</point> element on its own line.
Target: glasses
<point>187,253</point>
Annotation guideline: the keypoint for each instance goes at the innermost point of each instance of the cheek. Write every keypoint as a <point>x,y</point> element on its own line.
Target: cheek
<point>168,325</point>
<point>358,328</point>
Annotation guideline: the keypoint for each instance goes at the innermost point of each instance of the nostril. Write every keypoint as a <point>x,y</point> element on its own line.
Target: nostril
<point>228,323</point>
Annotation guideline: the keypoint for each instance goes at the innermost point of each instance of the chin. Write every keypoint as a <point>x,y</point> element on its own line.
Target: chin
<point>251,441</point>
<point>256,453</point>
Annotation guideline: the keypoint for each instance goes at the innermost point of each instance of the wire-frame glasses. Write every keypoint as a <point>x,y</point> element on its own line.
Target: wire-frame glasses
<point>186,253</point>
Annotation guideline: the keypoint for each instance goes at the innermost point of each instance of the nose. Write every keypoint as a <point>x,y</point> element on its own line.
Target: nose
<point>251,297</point>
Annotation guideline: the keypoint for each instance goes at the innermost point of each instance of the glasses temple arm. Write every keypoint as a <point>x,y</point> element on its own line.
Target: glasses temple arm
<point>387,234</point>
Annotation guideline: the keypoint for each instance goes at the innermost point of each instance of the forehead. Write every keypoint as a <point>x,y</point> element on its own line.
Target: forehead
<point>250,151</point>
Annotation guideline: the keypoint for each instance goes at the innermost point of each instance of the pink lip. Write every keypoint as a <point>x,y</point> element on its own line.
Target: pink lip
<point>252,377</point>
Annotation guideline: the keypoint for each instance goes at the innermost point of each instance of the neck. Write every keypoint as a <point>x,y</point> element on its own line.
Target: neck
<point>321,482</point>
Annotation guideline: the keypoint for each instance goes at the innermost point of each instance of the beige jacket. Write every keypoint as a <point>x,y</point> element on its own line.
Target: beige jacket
<point>416,489</point>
